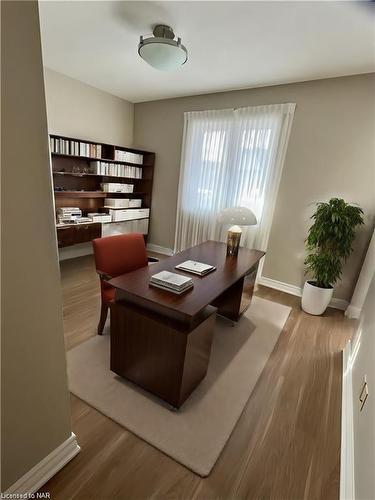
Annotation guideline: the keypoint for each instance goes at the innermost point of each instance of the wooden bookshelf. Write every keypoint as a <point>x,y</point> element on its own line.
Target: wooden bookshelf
<point>76,185</point>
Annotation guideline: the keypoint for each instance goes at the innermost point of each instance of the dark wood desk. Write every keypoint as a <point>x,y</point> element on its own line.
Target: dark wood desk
<point>162,341</point>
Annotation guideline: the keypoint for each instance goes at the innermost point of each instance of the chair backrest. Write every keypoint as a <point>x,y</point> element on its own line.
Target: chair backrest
<point>115,255</point>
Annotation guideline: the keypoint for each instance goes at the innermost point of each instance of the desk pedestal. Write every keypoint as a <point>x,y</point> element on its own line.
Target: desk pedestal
<point>163,356</point>
<point>236,300</point>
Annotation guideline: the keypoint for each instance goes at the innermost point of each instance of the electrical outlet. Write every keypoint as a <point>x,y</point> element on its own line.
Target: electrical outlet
<point>364,393</point>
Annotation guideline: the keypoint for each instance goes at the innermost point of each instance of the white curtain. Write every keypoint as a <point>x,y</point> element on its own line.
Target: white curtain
<point>231,157</point>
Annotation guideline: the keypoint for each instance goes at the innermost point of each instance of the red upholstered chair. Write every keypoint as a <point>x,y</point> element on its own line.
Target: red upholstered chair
<point>116,255</point>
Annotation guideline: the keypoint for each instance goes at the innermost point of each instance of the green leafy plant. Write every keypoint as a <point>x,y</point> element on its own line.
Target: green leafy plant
<point>330,239</point>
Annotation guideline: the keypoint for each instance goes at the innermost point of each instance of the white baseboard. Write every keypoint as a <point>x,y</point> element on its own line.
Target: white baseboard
<point>282,287</point>
<point>297,291</point>
<point>341,304</point>
<point>30,482</point>
<point>159,249</point>
<point>347,485</point>
<point>353,312</point>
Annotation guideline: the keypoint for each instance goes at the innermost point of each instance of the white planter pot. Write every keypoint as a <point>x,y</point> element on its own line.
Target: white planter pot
<point>315,300</point>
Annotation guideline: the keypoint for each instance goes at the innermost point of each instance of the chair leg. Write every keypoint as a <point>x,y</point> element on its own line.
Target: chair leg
<point>103,318</point>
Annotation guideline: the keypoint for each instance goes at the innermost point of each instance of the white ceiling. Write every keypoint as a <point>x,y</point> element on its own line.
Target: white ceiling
<point>231,45</point>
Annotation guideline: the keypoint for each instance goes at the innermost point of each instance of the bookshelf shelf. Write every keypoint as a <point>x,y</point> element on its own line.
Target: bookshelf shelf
<point>80,194</point>
<point>77,174</point>
<point>106,160</point>
<point>80,225</point>
<point>76,186</point>
<point>94,194</point>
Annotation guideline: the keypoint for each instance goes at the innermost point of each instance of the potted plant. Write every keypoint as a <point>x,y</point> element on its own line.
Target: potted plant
<point>329,243</point>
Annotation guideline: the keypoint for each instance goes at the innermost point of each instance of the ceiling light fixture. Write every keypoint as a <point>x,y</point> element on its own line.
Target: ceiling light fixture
<point>162,51</point>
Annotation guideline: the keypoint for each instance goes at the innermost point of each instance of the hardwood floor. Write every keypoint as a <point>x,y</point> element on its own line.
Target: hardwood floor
<point>286,444</point>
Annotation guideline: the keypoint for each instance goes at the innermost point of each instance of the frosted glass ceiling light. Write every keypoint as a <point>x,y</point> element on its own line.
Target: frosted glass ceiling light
<point>162,51</point>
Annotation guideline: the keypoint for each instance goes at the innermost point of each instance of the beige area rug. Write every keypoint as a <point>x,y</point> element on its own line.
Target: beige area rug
<point>196,434</point>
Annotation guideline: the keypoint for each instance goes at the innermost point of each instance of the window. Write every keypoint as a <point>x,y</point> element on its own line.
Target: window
<point>230,158</point>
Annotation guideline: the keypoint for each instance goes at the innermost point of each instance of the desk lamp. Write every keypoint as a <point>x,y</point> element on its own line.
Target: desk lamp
<point>236,217</point>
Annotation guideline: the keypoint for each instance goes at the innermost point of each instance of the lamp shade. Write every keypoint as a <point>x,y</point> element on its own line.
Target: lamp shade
<point>239,216</point>
<point>162,51</point>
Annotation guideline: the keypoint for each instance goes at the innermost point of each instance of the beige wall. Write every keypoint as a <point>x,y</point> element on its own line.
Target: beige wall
<point>79,110</point>
<point>330,153</point>
<point>35,404</point>
<point>364,421</point>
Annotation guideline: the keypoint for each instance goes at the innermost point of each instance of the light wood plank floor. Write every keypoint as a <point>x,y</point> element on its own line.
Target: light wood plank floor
<point>286,444</point>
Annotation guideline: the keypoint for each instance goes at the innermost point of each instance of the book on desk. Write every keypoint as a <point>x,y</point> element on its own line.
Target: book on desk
<point>192,266</point>
<point>172,282</point>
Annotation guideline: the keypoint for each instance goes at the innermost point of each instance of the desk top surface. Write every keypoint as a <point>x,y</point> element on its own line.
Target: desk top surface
<point>135,285</point>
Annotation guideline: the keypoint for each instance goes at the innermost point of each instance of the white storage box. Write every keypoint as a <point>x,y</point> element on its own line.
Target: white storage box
<point>115,187</point>
<point>117,203</point>
<point>129,214</point>
<point>130,226</point>
<point>99,217</point>
<point>135,203</point>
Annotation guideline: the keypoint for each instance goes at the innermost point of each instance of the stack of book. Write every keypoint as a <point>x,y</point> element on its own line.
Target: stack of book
<point>116,187</point>
<point>75,148</point>
<point>115,170</point>
<point>68,214</point>
<point>82,220</point>
<point>128,156</point>
<point>172,282</point>
<point>192,266</point>
<point>122,203</point>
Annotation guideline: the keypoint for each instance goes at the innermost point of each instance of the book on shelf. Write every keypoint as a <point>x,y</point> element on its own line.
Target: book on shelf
<point>68,212</point>
<point>99,217</point>
<point>128,156</point>
<point>116,187</point>
<point>71,147</point>
<point>121,203</point>
<point>82,220</point>
<point>116,203</point>
<point>192,266</point>
<point>115,170</point>
<point>172,282</point>
<point>67,209</point>
<point>59,145</point>
<point>74,220</point>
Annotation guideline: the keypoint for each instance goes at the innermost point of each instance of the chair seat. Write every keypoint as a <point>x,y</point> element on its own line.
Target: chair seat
<point>108,294</point>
